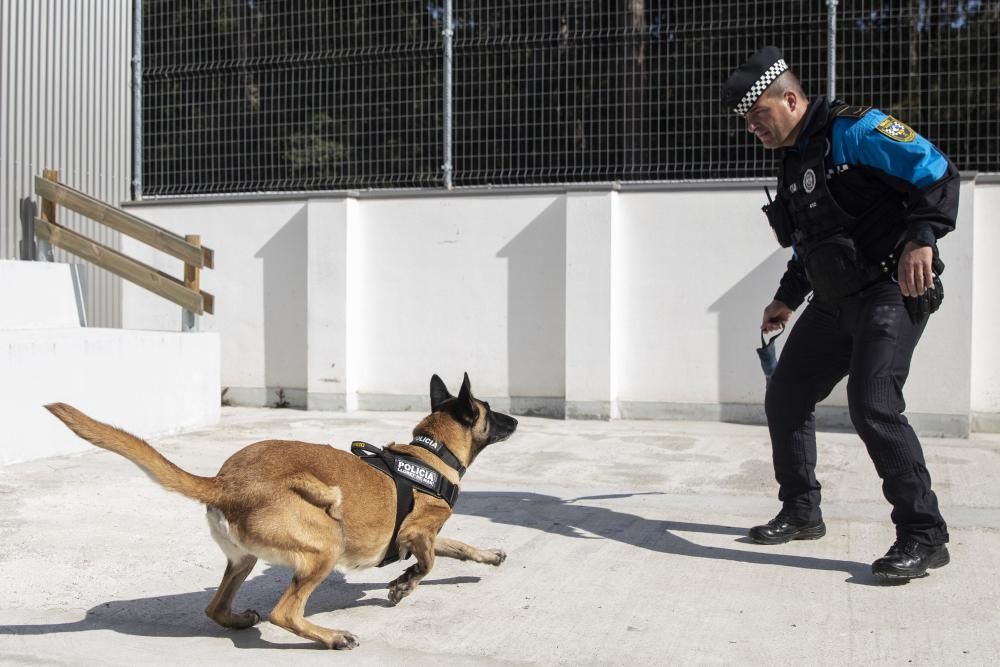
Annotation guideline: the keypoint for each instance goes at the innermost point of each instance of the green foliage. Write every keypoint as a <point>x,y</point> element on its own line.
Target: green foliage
<point>313,149</point>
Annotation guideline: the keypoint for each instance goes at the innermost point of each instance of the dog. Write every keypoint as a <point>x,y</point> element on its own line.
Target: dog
<point>315,508</point>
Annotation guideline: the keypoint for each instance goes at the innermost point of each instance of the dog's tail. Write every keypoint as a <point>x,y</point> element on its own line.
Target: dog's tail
<point>137,451</point>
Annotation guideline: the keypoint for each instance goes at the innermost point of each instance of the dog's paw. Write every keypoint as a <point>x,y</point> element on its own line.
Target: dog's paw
<point>345,642</point>
<point>400,588</point>
<point>499,556</point>
<point>396,593</point>
<point>247,619</point>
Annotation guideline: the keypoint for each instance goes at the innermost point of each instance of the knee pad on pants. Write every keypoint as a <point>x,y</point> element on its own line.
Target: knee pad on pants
<point>876,407</point>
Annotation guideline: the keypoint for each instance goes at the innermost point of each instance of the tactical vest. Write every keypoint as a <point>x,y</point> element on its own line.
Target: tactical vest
<point>824,234</point>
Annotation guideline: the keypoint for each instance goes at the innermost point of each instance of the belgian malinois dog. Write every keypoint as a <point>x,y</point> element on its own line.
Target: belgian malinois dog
<point>315,508</point>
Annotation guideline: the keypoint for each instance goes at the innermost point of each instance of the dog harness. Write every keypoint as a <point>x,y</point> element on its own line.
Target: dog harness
<point>410,473</point>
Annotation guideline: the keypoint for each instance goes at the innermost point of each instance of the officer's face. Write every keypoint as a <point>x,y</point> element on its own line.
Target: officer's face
<point>772,119</point>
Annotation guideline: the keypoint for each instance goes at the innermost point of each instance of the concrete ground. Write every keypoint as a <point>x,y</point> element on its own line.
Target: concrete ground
<point>625,545</point>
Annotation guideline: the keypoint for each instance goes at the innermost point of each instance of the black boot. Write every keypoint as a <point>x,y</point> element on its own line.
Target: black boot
<point>781,529</point>
<point>909,559</point>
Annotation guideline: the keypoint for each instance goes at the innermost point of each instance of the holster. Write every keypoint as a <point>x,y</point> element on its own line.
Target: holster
<point>937,265</point>
<point>919,307</point>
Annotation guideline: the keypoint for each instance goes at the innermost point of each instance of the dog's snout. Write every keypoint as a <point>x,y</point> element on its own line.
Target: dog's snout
<point>501,426</point>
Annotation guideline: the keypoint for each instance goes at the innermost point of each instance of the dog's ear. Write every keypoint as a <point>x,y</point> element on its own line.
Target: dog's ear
<point>465,407</point>
<point>439,393</point>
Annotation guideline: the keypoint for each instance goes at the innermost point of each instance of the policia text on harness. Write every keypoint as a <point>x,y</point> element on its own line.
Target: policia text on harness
<point>409,474</point>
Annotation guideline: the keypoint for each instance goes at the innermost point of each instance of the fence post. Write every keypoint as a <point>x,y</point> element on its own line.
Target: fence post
<point>448,33</point>
<point>137,99</point>
<point>831,49</point>
<point>192,280</point>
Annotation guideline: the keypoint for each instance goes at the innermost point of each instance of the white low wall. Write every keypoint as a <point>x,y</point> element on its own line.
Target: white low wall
<point>587,302</point>
<point>38,295</point>
<point>147,382</point>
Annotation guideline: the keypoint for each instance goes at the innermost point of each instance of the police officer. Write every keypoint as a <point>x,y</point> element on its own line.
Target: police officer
<point>862,200</point>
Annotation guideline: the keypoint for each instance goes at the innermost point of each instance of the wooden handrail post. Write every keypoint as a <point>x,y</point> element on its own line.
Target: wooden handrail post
<point>44,248</point>
<point>49,206</point>
<point>192,280</point>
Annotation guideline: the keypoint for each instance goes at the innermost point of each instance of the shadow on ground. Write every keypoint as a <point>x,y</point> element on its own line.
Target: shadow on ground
<point>575,518</point>
<point>182,615</point>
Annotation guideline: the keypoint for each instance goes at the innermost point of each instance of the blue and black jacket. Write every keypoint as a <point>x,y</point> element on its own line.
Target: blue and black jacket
<point>872,159</point>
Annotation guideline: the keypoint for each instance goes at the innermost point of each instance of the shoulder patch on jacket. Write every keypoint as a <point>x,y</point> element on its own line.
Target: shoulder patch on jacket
<point>896,130</point>
<point>848,111</point>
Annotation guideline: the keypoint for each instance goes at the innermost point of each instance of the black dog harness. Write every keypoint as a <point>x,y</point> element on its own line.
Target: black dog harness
<point>410,473</point>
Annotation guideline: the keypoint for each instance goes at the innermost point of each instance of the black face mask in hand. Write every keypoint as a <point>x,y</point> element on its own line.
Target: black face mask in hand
<point>919,307</point>
<point>768,355</point>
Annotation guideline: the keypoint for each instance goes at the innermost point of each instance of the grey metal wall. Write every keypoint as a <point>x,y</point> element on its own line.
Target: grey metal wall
<point>65,104</point>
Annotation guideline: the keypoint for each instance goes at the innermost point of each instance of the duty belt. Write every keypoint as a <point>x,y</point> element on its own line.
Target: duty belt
<point>410,473</point>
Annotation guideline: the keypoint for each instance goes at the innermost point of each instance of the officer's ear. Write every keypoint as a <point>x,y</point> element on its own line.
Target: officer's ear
<point>792,100</point>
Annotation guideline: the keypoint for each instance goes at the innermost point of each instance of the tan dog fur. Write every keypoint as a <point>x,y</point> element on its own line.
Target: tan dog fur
<point>315,508</point>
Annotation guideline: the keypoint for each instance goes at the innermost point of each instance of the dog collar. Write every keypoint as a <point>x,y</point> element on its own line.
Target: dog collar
<point>440,450</point>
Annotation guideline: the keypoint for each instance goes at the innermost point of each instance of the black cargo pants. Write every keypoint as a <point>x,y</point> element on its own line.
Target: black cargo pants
<point>870,338</point>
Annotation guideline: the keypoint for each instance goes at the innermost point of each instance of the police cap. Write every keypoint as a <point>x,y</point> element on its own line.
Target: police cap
<point>749,81</point>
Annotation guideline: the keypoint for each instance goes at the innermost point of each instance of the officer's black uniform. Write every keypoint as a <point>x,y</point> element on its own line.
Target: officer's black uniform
<point>847,220</point>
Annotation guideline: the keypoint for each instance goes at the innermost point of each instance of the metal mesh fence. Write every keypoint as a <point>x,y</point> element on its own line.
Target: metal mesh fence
<point>251,95</point>
<point>628,91</point>
<point>255,95</point>
<point>935,64</point>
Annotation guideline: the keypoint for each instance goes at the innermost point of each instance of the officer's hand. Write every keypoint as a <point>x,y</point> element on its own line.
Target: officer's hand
<point>914,271</point>
<point>775,316</point>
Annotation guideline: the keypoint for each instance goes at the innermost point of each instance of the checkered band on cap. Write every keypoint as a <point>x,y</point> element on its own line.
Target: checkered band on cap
<point>759,86</point>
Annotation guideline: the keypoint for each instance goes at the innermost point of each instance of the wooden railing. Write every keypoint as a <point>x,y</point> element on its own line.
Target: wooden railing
<point>185,293</point>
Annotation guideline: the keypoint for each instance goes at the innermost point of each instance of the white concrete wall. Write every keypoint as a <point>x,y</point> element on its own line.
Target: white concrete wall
<point>434,287</point>
<point>699,268</point>
<point>333,260</point>
<point>587,302</point>
<point>985,400</point>
<point>469,284</point>
<point>148,382</point>
<point>37,295</point>
<point>592,284</point>
<point>260,288</point>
